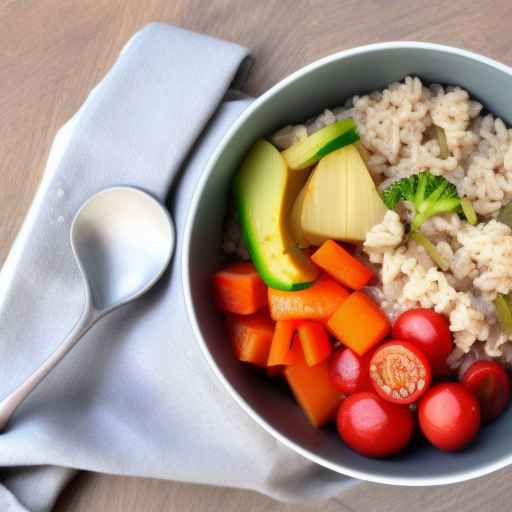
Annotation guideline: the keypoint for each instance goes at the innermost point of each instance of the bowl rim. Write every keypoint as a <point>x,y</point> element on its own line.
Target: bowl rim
<point>456,477</point>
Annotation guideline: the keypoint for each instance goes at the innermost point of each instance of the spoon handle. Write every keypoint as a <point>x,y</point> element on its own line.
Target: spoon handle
<point>11,402</point>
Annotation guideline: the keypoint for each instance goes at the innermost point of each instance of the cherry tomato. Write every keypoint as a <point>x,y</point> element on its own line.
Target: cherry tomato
<point>488,381</point>
<point>373,427</point>
<point>350,373</point>
<point>400,372</point>
<point>449,416</point>
<point>430,332</point>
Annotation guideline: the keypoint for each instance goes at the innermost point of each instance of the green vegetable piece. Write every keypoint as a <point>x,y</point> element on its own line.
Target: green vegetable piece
<point>505,214</point>
<point>307,152</point>
<point>429,194</point>
<point>504,313</point>
<point>443,145</point>
<point>431,249</point>
<point>264,191</point>
<point>469,211</point>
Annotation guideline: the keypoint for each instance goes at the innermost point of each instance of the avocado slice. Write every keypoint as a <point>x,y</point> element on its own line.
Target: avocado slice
<point>310,150</point>
<point>264,191</point>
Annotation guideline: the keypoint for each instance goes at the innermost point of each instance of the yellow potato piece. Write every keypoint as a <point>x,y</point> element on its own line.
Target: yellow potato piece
<point>296,231</point>
<point>295,220</point>
<point>340,200</point>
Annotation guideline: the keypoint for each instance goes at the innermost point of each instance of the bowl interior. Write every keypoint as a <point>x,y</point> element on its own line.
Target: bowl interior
<point>329,83</point>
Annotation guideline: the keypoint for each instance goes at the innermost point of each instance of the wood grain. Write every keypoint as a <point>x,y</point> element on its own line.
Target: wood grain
<point>52,52</point>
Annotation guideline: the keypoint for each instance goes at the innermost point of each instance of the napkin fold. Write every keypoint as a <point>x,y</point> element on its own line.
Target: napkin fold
<point>135,397</point>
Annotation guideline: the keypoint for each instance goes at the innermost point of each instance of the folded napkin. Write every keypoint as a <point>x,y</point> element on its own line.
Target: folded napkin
<point>135,397</point>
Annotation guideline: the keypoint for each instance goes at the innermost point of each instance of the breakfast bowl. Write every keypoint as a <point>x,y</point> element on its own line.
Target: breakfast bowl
<point>323,84</point>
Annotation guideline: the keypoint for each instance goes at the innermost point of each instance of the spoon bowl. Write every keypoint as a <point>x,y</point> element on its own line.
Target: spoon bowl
<point>123,240</point>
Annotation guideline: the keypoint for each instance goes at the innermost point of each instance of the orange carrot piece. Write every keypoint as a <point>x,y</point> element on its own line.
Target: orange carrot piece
<point>251,336</point>
<point>239,289</point>
<point>318,302</point>
<point>296,354</point>
<point>341,265</point>
<point>280,350</point>
<point>315,342</point>
<point>313,390</point>
<point>359,323</point>
<point>293,356</point>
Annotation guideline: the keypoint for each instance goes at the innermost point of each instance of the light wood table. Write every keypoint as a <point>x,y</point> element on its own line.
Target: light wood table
<point>52,52</point>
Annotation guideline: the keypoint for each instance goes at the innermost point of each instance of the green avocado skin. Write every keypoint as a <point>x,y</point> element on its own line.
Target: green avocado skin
<point>343,140</point>
<point>346,134</point>
<point>254,246</point>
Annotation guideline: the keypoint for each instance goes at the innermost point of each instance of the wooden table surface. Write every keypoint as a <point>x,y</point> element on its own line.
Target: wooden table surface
<point>52,52</point>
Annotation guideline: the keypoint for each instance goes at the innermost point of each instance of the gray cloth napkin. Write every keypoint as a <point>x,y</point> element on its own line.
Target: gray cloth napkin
<point>136,396</point>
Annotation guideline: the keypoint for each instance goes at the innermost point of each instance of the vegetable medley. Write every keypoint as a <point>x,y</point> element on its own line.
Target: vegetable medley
<point>300,308</point>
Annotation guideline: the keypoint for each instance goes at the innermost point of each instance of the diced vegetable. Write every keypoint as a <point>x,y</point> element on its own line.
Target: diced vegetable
<point>318,302</point>
<point>296,230</point>
<point>310,150</point>
<point>469,211</point>
<point>341,201</point>
<point>295,220</point>
<point>504,313</point>
<point>315,342</point>
<point>264,192</point>
<point>314,391</point>
<point>341,265</point>
<point>429,194</point>
<point>251,336</point>
<point>505,214</point>
<point>359,323</point>
<point>431,249</point>
<point>296,353</point>
<point>239,289</point>
<point>443,144</point>
<point>281,350</point>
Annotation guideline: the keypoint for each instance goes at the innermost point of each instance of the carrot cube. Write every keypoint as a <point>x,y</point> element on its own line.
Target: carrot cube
<point>313,390</point>
<point>251,336</point>
<point>359,323</point>
<point>239,289</point>
<point>281,348</point>
<point>341,265</point>
<point>318,302</point>
<point>315,342</point>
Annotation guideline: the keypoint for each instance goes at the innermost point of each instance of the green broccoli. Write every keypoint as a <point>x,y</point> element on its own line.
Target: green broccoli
<point>429,194</point>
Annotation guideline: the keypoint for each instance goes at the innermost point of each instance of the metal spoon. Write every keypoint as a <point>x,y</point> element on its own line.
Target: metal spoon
<point>123,240</point>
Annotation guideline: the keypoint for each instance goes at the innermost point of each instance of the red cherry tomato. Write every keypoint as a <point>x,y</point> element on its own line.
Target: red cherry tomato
<point>430,332</point>
<point>400,372</point>
<point>373,427</point>
<point>449,416</point>
<point>488,381</point>
<point>350,373</point>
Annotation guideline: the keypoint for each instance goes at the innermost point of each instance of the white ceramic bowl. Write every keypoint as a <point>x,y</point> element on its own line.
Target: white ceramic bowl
<point>328,83</point>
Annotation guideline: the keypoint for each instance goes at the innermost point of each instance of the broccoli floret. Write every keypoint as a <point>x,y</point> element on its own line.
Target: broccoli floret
<point>430,195</point>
